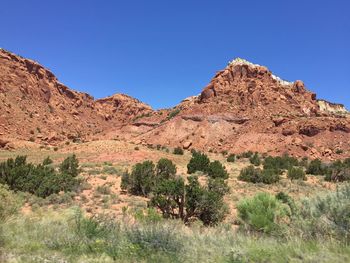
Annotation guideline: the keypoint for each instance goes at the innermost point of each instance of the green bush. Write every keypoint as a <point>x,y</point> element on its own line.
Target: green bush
<point>191,201</point>
<point>231,158</point>
<point>316,167</point>
<point>173,113</point>
<point>255,159</point>
<point>141,179</point>
<point>245,155</point>
<point>270,176</point>
<point>10,203</point>
<point>286,199</point>
<point>338,175</point>
<point>70,166</point>
<point>296,173</point>
<point>178,151</point>
<point>326,215</point>
<point>165,168</point>
<point>198,162</point>
<point>41,180</point>
<point>262,213</point>
<point>217,170</point>
<point>250,174</point>
<point>280,163</point>
<point>109,170</point>
<point>256,175</point>
<point>144,176</point>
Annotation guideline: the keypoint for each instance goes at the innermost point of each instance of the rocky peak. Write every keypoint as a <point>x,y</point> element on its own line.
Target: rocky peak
<point>246,86</point>
<point>333,108</point>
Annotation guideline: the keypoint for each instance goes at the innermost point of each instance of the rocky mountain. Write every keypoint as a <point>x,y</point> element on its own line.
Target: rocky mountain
<point>36,106</point>
<point>244,107</point>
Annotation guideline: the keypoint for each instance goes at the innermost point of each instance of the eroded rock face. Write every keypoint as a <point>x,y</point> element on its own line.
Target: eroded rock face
<point>33,103</point>
<point>244,107</point>
<point>331,108</point>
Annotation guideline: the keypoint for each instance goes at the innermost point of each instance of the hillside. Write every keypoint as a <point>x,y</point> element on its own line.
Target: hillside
<point>36,106</point>
<point>244,107</point>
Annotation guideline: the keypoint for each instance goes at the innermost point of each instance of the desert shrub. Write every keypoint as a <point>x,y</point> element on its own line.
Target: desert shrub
<point>255,159</point>
<point>70,166</point>
<point>198,162</point>
<point>178,151</point>
<point>286,199</point>
<point>270,176</point>
<point>231,158</point>
<point>169,197</point>
<point>304,162</point>
<point>206,202</point>
<point>326,215</point>
<point>262,213</point>
<point>41,180</point>
<point>346,162</point>
<point>212,208</point>
<point>296,173</point>
<point>110,170</point>
<point>144,176</point>
<point>250,174</point>
<point>247,154</point>
<point>224,152</point>
<point>280,162</point>
<point>141,179</point>
<point>125,181</point>
<point>173,113</point>
<point>338,175</point>
<point>217,170</point>
<point>187,202</point>
<point>47,161</point>
<point>150,239</point>
<point>9,202</point>
<point>256,175</point>
<point>316,167</point>
<point>165,168</point>
<point>338,171</point>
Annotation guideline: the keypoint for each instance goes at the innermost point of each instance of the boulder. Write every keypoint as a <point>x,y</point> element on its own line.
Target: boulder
<point>186,145</point>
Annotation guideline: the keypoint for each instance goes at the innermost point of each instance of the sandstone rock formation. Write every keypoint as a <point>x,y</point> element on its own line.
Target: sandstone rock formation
<point>244,107</point>
<point>35,106</point>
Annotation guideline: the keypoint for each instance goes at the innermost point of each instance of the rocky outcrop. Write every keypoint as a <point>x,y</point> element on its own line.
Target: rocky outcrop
<point>244,107</point>
<point>34,104</point>
<point>332,108</point>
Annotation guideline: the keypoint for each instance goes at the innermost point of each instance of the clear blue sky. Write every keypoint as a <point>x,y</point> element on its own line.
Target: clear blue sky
<point>163,51</point>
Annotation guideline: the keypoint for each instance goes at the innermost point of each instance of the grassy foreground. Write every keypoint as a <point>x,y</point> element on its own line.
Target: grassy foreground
<point>68,236</point>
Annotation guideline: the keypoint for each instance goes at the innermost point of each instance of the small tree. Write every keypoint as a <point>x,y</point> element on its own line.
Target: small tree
<point>255,159</point>
<point>70,166</point>
<point>217,170</point>
<point>178,151</point>
<point>316,167</point>
<point>250,174</point>
<point>262,213</point>
<point>125,181</point>
<point>256,175</point>
<point>169,198</point>
<point>141,178</point>
<point>198,162</point>
<point>231,158</point>
<point>296,173</point>
<point>165,168</point>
